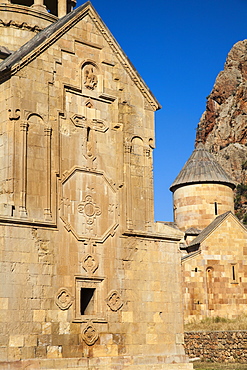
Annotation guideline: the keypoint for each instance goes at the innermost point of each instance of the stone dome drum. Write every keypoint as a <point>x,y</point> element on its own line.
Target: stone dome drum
<point>201,191</point>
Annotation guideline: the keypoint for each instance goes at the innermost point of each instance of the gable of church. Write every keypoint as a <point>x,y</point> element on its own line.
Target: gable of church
<point>78,103</point>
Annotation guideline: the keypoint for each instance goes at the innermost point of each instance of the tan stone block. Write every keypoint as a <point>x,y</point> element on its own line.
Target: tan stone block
<point>3,353</point>
<point>16,340</point>
<point>30,340</point>
<point>127,316</point>
<point>106,350</point>
<point>52,315</point>
<point>39,315</point>
<point>14,354</point>
<point>106,339</point>
<point>62,316</point>
<point>64,328</point>
<point>28,352</point>
<point>4,303</point>
<point>41,352</point>
<point>54,351</point>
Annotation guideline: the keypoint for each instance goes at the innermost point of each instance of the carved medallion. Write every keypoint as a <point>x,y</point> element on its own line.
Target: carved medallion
<point>64,299</point>
<point>114,300</point>
<point>90,263</point>
<point>89,209</point>
<point>89,334</point>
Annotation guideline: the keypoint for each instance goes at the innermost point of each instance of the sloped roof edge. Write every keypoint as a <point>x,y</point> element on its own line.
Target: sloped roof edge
<point>41,41</point>
<point>211,227</point>
<point>190,255</point>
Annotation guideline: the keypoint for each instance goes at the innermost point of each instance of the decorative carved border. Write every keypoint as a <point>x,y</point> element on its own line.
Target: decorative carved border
<point>21,25</point>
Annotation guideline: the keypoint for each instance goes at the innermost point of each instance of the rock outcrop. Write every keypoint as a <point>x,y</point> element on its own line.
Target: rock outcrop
<point>223,125</point>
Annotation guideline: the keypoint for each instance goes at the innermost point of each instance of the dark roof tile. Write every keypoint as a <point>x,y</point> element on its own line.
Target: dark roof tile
<point>201,167</point>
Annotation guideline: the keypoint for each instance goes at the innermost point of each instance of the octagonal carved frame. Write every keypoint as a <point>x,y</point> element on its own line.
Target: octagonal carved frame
<point>69,227</point>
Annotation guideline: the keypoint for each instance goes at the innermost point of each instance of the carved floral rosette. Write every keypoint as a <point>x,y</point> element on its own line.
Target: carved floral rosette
<point>89,209</point>
<point>63,298</point>
<point>114,300</point>
<point>89,334</point>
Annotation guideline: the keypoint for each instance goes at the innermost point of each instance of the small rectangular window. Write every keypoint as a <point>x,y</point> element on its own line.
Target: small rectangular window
<point>87,301</point>
<point>234,273</point>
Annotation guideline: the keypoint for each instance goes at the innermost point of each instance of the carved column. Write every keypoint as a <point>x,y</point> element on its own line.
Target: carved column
<point>148,188</point>
<point>39,6</point>
<point>47,210</point>
<point>129,221</point>
<point>14,115</point>
<point>62,8</point>
<point>23,192</point>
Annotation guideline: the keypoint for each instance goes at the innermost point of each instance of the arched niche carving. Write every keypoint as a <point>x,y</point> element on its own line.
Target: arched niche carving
<point>35,173</point>
<point>36,166</point>
<point>137,145</point>
<point>210,286</point>
<point>137,172</point>
<point>91,76</point>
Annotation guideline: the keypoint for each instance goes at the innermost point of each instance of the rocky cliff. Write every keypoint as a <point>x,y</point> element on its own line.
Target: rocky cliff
<point>223,125</point>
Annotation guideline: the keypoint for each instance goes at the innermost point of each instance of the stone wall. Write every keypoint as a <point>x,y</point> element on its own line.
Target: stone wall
<point>215,279</point>
<point>217,346</point>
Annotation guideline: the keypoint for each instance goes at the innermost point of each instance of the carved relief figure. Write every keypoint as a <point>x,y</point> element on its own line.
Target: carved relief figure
<point>90,78</point>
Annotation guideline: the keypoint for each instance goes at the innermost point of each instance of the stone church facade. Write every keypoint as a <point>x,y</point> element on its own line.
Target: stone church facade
<point>214,267</point>
<point>88,280</point>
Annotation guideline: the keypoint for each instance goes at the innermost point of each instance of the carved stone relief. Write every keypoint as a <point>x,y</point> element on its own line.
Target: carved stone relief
<point>90,77</point>
<point>90,263</point>
<point>14,114</point>
<point>89,206</point>
<point>21,25</point>
<point>63,299</point>
<point>89,209</point>
<point>79,120</point>
<point>114,300</point>
<point>94,123</point>
<point>89,334</point>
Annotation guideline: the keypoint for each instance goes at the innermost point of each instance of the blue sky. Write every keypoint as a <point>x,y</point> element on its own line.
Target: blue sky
<point>178,47</point>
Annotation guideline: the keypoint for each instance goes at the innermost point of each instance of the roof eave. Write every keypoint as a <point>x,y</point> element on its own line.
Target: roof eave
<point>175,186</point>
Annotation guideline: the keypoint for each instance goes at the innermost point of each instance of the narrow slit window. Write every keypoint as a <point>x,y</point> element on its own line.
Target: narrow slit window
<point>87,301</point>
<point>88,134</point>
<point>215,208</point>
<point>233,273</point>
